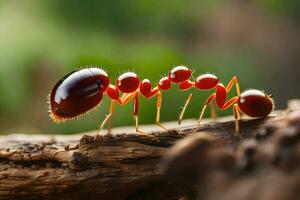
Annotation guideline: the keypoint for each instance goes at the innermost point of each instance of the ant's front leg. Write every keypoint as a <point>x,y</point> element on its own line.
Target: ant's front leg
<point>113,94</point>
<point>237,85</point>
<point>135,114</point>
<point>108,117</point>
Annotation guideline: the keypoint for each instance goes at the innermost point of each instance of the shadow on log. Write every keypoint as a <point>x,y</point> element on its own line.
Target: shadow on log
<point>212,164</point>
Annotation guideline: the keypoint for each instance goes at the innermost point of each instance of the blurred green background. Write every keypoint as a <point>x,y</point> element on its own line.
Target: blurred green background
<point>41,41</point>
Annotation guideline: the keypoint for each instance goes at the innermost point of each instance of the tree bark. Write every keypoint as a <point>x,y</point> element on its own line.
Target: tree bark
<point>119,166</point>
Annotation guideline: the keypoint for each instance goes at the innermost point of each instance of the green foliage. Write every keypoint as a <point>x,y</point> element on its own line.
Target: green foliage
<point>284,7</point>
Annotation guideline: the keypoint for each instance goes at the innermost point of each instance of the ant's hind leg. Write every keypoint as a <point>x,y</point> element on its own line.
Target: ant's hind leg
<point>236,117</point>
<point>237,85</point>
<point>213,112</point>
<point>158,105</point>
<point>184,108</point>
<point>110,123</point>
<point>107,118</point>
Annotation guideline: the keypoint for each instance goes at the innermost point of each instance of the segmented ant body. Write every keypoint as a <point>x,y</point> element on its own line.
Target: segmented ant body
<point>82,90</point>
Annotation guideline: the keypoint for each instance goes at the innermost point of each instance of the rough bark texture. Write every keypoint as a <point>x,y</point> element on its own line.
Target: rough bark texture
<point>131,166</point>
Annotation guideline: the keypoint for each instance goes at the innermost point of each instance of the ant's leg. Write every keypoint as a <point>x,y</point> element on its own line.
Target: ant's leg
<point>158,106</point>
<point>184,108</point>
<point>207,102</point>
<point>126,98</point>
<point>236,117</point>
<point>110,123</point>
<point>221,96</point>
<point>221,92</point>
<point>123,100</point>
<point>229,103</point>
<point>237,85</point>
<point>154,92</point>
<point>111,111</point>
<point>236,114</point>
<point>200,118</point>
<point>186,85</point>
<point>136,118</point>
<point>213,112</point>
<point>135,113</point>
<point>222,105</point>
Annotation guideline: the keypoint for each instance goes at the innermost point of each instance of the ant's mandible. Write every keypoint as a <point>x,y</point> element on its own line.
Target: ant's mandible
<point>82,90</point>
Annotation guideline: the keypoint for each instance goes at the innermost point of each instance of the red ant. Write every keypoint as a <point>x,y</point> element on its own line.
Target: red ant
<point>82,90</point>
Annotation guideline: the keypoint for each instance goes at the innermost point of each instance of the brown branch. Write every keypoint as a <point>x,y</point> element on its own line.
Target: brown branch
<point>105,167</point>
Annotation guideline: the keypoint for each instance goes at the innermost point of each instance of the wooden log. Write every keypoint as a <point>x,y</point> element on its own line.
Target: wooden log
<point>119,166</point>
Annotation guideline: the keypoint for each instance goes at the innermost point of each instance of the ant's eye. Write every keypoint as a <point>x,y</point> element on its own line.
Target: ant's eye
<point>101,78</point>
<point>98,81</point>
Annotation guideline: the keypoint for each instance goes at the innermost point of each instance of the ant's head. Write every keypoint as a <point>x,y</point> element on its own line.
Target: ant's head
<point>255,103</point>
<point>77,93</point>
<point>101,78</point>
